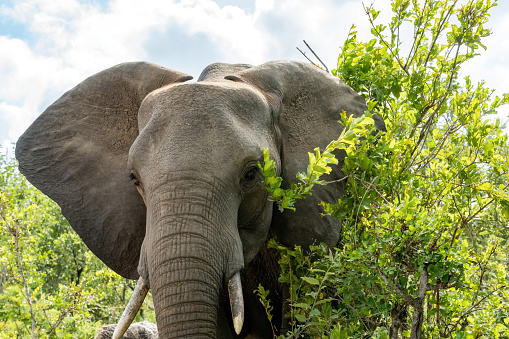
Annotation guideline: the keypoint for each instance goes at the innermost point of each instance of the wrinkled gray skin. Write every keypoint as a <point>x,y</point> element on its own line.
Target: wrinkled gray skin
<point>160,179</point>
<point>141,330</point>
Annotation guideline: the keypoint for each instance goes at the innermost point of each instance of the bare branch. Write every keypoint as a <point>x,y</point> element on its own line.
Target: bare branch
<point>323,64</point>
<point>369,185</point>
<point>439,286</point>
<point>305,56</point>
<point>61,318</point>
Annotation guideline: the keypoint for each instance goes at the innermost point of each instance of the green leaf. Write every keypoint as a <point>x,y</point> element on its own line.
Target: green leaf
<point>366,121</point>
<point>488,148</point>
<point>484,186</point>
<point>301,305</point>
<point>314,312</point>
<point>301,318</point>
<point>311,281</point>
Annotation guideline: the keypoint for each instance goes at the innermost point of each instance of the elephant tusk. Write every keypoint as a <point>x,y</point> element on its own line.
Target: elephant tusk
<point>236,302</point>
<point>132,308</point>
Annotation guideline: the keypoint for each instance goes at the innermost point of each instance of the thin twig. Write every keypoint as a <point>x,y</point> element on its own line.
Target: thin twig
<point>419,23</point>
<point>305,56</point>
<point>369,185</point>
<point>61,318</point>
<point>439,30</point>
<point>427,126</point>
<point>360,317</point>
<point>336,181</point>
<point>323,64</point>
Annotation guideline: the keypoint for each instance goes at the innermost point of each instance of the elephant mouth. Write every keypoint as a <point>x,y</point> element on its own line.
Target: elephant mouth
<point>141,290</point>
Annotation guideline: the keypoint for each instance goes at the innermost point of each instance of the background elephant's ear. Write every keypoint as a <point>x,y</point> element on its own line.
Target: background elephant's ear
<point>76,153</point>
<point>217,71</point>
<point>307,102</point>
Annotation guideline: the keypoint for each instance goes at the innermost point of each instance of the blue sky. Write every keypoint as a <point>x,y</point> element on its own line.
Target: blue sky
<point>48,46</point>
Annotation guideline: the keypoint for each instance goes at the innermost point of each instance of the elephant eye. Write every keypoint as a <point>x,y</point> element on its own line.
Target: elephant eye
<point>251,177</point>
<point>252,174</point>
<point>134,179</point>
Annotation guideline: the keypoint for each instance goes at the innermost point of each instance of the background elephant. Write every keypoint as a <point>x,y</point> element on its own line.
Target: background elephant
<point>160,179</point>
<point>141,330</point>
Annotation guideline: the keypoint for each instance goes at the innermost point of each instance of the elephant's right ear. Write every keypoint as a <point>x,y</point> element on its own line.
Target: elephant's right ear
<point>76,153</point>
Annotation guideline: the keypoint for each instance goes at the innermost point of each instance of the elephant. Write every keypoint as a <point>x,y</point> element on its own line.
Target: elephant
<point>141,330</point>
<point>160,178</point>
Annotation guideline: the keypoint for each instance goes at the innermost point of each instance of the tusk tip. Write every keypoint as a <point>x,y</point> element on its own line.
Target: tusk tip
<point>238,321</point>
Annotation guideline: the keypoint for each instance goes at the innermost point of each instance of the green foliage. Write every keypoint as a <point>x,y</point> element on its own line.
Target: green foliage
<point>51,285</point>
<point>426,207</point>
<point>309,283</point>
<point>319,164</point>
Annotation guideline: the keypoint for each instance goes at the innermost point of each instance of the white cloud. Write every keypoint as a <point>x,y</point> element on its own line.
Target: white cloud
<point>26,80</point>
<point>230,27</point>
<point>263,6</point>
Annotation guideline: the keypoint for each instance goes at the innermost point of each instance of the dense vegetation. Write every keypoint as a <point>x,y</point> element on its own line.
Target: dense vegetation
<point>51,285</point>
<point>425,216</point>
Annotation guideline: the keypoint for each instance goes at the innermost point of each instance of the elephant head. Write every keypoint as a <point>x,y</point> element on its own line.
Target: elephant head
<point>160,178</point>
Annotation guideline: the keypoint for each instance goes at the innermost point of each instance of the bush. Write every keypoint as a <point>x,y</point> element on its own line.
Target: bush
<point>51,285</point>
<point>425,214</point>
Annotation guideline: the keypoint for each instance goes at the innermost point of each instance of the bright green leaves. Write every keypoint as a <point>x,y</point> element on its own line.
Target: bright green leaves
<point>446,173</point>
<point>319,164</point>
<point>272,182</point>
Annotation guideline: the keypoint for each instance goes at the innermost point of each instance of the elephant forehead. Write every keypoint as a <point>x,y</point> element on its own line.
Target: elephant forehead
<point>207,101</point>
<point>206,122</point>
<point>210,113</point>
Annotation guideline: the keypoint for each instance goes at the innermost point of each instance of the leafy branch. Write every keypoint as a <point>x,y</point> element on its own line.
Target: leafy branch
<point>319,164</point>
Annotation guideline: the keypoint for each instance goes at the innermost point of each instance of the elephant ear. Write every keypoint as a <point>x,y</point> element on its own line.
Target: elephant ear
<point>217,71</point>
<point>76,153</point>
<point>307,102</point>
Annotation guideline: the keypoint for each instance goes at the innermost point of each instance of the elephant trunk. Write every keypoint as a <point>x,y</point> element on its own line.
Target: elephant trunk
<point>186,304</point>
<point>194,250</point>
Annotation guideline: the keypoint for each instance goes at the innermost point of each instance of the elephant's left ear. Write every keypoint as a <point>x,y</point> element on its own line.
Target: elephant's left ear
<point>76,153</point>
<point>307,103</point>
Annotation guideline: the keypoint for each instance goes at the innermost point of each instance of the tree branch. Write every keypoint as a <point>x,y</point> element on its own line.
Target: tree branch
<point>382,39</point>
<point>409,300</point>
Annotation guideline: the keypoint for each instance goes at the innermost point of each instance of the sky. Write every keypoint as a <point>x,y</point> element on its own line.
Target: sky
<point>49,46</point>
